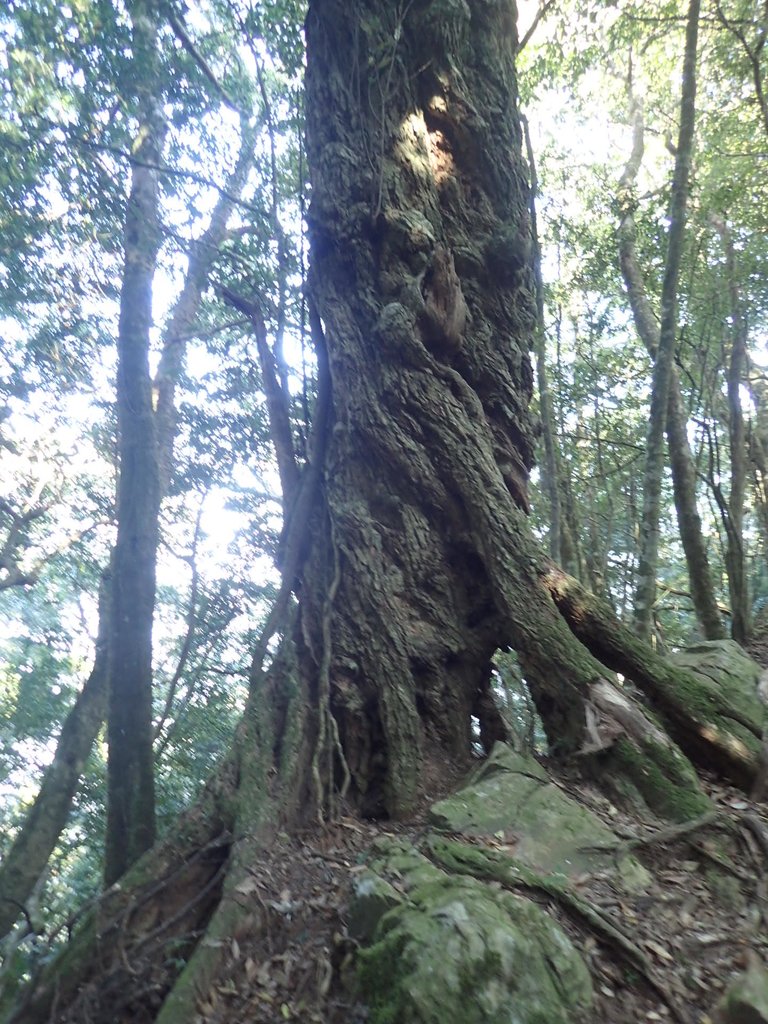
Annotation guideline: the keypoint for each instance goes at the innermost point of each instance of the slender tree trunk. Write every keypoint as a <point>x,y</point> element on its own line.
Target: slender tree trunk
<point>29,854</point>
<point>680,456</point>
<point>25,861</point>
<point>664,364</point>
<point>550,469</point>
<point>758,449</point>
<point>180,328</point>
<point>737,364</point>
<point>570,557</point>
<point>130,771</point>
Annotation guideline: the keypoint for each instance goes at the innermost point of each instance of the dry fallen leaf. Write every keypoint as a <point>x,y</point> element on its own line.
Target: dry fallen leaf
<point>247,886</point>
<point>658,950</point>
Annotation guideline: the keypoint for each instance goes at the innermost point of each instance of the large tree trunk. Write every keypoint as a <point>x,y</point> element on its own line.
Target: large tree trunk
<point>422,275</point>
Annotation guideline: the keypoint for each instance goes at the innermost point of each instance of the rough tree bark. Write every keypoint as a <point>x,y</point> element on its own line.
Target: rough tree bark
<point>424,563</point>
<point>413,560</point>
<point>664,363</point>
<point>680,456</point>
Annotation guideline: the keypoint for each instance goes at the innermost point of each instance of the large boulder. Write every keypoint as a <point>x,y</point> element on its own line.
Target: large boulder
<point>511,796</point>
<point>728,667</point>
<point>455,950</point>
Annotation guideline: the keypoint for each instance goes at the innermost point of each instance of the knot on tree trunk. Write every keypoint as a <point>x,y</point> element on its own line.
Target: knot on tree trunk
<point>445,311</point>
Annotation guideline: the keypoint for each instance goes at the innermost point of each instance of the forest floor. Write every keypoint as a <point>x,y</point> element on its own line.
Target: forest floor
<point>696,926</point>
<point>666,953</point>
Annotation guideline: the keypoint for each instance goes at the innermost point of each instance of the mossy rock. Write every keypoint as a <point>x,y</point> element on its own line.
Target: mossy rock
<point>746,1000</point>
<point>460,951</point>
<point>728,667</point>
<point>372,897</point>
<point>511,795</point>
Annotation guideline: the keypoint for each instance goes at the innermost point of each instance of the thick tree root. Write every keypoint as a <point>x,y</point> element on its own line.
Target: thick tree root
<point>274,753</point>
<point>660,837</point>
<point>709,729</point>
<point>236,916</point>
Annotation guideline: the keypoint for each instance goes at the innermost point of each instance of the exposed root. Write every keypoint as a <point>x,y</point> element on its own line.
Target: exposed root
<point>143,925</point>
<point>328,728</point>
<point>752,823</point>
<point>664,835</point>
<point>697,715</point>
<point>458,858</point>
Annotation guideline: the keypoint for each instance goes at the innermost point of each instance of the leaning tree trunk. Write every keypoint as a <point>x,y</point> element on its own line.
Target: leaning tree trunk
<point>26,859</point>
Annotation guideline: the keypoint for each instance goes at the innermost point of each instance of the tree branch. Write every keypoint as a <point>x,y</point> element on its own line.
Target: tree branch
<point>184,38</point>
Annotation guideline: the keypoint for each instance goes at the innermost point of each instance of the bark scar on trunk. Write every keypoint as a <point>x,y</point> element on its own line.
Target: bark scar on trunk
<point>445,311</point>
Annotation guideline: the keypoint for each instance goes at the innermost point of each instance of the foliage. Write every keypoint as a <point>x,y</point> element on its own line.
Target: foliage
<point>578,98</point>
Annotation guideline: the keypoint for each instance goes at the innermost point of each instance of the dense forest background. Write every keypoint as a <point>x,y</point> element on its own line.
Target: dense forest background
<point>154,216</point>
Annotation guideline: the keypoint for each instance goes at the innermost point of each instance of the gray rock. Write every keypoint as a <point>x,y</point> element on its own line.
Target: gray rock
<point>511,795</point>
<point>746,1000</point>
<point>455,950</point>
